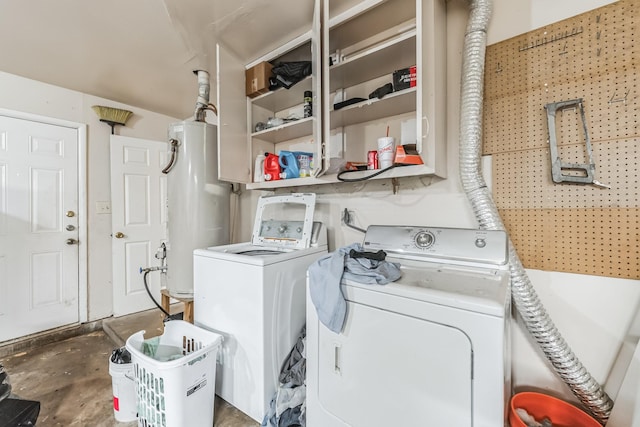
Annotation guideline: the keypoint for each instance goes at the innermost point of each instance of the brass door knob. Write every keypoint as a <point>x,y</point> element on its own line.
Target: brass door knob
<point>119,235</point>
<point>71,214</point>
<point>72,242</point>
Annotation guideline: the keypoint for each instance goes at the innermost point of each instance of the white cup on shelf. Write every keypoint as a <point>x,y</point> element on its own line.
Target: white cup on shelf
<point>386,151</point>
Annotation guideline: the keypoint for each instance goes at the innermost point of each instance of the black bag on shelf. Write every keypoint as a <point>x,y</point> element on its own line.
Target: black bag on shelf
<point>286,74</point>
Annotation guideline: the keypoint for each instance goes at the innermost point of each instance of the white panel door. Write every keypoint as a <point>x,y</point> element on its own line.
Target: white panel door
<point>38,227</point>
<point>139,220</point>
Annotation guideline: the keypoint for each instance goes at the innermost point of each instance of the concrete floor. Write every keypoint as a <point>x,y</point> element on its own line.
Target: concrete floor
<point>70,378</point>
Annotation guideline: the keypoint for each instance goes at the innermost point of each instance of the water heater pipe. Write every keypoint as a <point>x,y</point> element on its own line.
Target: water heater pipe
<point>202,103</point>
<point>525,298</point>
<point>173,147</point>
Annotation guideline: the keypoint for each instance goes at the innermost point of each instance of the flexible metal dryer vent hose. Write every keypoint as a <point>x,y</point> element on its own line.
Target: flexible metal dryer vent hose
<point>202,103</point>
<point>536,319</point>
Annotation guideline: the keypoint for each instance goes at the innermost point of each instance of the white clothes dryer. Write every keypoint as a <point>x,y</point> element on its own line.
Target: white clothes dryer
<point>253,294</point>
<point>431,349</point>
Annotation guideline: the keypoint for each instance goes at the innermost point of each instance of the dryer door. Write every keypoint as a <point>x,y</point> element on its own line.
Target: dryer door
<point>388,369</point>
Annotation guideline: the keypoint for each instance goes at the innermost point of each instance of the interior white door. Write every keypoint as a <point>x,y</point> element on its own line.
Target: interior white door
<point>139,219</point>
<point>38,227</point>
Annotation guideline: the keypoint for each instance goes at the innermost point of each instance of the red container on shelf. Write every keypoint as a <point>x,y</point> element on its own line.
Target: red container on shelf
<point>372,159</point>
<point>271,167</point>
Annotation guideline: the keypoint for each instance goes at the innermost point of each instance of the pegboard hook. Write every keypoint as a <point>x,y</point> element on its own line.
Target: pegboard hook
<point>613,98</point>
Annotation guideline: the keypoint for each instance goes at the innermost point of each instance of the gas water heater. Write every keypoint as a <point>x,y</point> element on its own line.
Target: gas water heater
<point>197,202</point>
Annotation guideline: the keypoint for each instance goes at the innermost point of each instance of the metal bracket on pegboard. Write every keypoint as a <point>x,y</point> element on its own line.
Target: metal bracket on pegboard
<point>575,173</point>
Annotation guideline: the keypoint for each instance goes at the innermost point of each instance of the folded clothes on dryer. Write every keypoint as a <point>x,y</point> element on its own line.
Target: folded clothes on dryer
<point>325,276</point>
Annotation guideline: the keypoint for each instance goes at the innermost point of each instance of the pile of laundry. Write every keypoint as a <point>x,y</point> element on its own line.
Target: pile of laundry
<point>288,405</point>
<point>349,263</point>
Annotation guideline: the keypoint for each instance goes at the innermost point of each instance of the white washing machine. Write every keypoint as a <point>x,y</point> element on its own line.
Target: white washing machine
<point>253,294</point>
<point>431,349</point>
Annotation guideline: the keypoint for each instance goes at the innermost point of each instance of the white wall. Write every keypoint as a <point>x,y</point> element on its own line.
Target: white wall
<point>29,96</point>
<point>513,17</point>
<point>593,313</point>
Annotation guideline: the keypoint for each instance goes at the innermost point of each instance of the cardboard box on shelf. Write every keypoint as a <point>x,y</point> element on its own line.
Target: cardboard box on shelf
<point>404,79</point>
<point>257,79</point>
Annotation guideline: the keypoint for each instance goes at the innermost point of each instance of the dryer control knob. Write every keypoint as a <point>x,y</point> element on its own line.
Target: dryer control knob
<point>424,240</point>
<point>481,243</point>
<point>282,228</point>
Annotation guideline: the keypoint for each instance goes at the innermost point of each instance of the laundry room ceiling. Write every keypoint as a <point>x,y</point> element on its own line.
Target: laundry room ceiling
<point>141,53</point>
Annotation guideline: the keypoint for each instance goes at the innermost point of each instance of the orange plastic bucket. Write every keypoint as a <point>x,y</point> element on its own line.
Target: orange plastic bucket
<point>541,406</point>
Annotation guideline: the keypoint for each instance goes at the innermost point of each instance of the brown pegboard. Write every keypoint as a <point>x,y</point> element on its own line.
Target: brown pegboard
<point>567,240</point>
<point>569,227</point>
<point>598,63</point>
<point>522,179</point>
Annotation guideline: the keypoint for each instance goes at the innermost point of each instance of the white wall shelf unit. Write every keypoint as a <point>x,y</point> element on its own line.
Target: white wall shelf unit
<point>365,65</point>
<point>238,140</point>
<point>393,104</point>
<point>281,99</point>
<point>398,172</point>
<point>363,42</point>
<point>287,131</point>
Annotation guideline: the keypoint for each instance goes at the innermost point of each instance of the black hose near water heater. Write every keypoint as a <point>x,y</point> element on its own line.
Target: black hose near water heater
<point>146,286</point>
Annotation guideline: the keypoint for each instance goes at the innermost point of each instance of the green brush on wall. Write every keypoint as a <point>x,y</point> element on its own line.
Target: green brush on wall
<point>112,116</point>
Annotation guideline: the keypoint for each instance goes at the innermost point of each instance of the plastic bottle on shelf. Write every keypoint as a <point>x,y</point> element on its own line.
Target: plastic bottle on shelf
<point>258,168</point>
<point>289,165</point>
<point>308,103</point>
<point>271,167</point>
<point>305,163</point>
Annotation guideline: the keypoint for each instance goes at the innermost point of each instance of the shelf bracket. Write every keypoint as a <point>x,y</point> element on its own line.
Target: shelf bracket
<point>395,183</point>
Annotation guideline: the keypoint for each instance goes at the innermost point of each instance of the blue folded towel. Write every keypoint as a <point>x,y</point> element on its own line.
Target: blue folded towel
<point>327,272</point>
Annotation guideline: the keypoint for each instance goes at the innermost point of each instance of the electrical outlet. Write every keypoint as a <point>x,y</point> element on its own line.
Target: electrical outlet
<point>103,207</point>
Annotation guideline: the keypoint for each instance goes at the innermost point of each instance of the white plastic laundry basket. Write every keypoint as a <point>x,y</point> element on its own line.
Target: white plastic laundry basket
<point>178,392</point>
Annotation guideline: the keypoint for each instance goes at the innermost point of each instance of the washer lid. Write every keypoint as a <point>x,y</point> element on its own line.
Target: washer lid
<point>284,221</point>
<point>259,252</point>
<point>247,254</point>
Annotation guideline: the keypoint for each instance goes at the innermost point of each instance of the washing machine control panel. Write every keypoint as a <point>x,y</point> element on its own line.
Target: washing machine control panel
<point>454,244</point>
<point>282,231</point>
